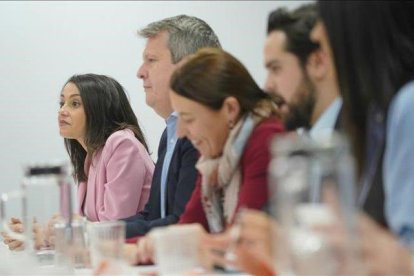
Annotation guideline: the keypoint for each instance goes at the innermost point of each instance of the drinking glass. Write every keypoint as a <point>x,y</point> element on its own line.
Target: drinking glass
<point>106,240</point>
<point>45,192</point>
<point>177,248</point>
<point>74,253</point>
<point>312,188</point>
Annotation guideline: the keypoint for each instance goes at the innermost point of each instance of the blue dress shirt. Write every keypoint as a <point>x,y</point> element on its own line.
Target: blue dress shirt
<point>398,165</point>
<point>171,141</point>
<point>326,122</point>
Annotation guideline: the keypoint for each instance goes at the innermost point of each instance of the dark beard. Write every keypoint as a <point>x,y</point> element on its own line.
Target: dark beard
<point>300,113</point>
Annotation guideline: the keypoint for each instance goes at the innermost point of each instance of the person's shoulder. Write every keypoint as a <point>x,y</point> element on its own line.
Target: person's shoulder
<point>184,150</point>
<point>123,136</point>
<point>184,143</point>
<point>408,86</point>
<point>400,114</point>
<point>405,96</point>
<point>265,131</point>
<point>119,135</point>
<point>270,125</point>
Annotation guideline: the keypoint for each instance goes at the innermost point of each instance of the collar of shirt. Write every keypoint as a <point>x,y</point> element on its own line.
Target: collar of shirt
<point>326,122</point>
<point>172,128</point>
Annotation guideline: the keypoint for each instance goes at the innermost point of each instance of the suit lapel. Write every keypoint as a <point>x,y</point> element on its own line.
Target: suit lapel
<point>171,173</point>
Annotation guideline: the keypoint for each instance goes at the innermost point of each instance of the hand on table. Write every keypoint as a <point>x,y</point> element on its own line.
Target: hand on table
<point>15,225</point>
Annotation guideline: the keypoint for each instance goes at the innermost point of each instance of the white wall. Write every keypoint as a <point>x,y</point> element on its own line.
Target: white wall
<point>43,43</point>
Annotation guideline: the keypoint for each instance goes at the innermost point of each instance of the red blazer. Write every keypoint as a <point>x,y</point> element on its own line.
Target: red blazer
<point>253,192</point>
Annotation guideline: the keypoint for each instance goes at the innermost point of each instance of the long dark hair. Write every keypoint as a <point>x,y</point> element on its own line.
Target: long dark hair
<point>211,75</point>
<point>373,47</point>
<point>107,110</point>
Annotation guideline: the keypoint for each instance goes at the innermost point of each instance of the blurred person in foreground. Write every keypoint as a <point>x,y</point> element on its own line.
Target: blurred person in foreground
<point>375,71</point>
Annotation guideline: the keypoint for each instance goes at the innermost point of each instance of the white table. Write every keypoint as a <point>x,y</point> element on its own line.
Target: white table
<point>21,263</point>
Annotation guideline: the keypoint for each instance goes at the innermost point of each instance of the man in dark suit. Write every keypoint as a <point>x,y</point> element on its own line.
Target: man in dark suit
<point>168,42</point>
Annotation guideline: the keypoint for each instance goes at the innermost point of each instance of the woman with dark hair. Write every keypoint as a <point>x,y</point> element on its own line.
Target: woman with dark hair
<point>372,46</point>
<point>106,146</point>
<point>230,121</point>
<point>108,152</point>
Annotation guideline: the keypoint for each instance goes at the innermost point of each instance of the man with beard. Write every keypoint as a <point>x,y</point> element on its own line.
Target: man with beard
<point>299,74</point>
<point>302,77</point>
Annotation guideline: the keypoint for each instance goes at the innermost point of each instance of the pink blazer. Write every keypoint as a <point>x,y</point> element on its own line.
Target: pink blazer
<point>119,179</point>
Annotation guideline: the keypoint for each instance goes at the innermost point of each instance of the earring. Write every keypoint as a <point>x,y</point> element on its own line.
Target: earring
<point>230,124</point>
